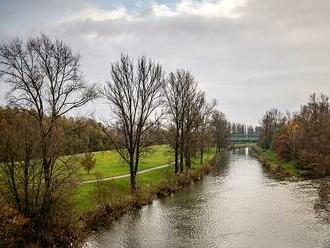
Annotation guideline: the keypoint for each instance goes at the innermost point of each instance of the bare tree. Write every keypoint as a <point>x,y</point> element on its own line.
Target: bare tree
<point>20,172</point>
<point>192,122</point>
<point>206,113</point>
<point>271,120</point>
<point>173,91</point>
<point>135,94</point>
<point>184,104</point>
<point>221,129</point>
<point>46,83</point>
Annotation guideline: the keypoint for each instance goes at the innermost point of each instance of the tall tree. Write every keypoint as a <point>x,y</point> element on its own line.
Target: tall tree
<point>272,120</point>
<point>47,83</point>
<point>206,114</point>
<point>221,130</point>
<point>173,91</point>
<point>134,94</point>
<point>185,103</point>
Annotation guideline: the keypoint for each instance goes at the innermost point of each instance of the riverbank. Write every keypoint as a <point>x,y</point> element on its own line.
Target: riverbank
<point>96,203</point>
<point>271,161</point>
<point>115,201</point>
<point>90,195</point>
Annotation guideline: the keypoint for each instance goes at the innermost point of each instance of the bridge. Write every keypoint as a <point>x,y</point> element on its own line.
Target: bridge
<point>243,138</point>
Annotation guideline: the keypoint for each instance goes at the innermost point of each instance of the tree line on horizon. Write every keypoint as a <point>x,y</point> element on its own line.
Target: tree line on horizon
<point>146,106</point>
<point>244,129</point>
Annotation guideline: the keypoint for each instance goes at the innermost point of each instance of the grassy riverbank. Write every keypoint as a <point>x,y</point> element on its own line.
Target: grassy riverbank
<point>271,160</point>
<point>89,196</point>
<point>96,204</point>
<point>119,200</point>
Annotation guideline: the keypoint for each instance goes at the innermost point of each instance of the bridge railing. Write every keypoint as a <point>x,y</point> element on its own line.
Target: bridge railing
<point>244,138</point>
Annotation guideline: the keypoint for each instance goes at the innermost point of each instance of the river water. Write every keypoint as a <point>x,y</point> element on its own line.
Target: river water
<point>238,205</point>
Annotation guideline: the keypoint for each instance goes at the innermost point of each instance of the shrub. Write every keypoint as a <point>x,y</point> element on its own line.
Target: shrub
<point>88,162</point>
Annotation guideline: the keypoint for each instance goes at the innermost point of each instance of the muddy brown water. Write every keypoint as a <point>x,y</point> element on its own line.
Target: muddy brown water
<point>238,205</point>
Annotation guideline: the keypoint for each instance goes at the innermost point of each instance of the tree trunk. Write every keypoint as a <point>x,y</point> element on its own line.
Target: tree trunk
<point>176,151</point>
<point>26,187</point>
<point>188,158</point>
<point>218,148</point>
<point>181,147</point>
<point>132,173</point>
<point>14,186</point>
<point>202,145</point>
<point>137,156</point>
<point>181,158</point>
<point>46,203</point>
<point>133,182</point>
<point>176,160</point>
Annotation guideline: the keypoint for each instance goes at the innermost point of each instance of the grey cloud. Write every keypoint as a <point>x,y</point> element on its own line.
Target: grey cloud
<point>273,56</point>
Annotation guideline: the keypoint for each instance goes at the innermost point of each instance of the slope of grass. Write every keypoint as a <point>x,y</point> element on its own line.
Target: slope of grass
<point>109,163</point>
<point>120,188</point>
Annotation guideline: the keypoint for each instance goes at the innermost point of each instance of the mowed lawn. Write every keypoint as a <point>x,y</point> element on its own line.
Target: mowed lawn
<point>109,163</point>
<point>120,188</point>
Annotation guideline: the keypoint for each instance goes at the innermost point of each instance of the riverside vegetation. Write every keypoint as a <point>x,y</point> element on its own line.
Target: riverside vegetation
<point>156,119</point>
<point>297,144</point>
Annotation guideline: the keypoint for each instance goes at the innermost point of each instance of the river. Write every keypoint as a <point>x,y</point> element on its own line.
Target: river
<point>238,205</point>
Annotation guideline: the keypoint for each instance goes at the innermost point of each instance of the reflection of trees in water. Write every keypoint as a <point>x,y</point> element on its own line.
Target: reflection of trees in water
<point>322,204</point>
<point>239,151</point>
<point>222,163</point>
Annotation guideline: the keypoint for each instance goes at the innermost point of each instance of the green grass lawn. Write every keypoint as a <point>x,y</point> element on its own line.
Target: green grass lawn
<point>289,166</point>
<point>109,163</point>
<point>120,188</point>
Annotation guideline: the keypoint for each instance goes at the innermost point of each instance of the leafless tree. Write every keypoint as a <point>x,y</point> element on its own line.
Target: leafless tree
<point>221,129</point>
<point>135,95</point>
<point>47,83</point>
<point>20,172</point>
<point>271,120</point>
<point>173,91</point>
<point>206,113</point>
<point>193,121</point>
<point>184,104</point>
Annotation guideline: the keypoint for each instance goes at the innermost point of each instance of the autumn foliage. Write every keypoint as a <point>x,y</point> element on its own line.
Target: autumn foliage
<point>305,137</point>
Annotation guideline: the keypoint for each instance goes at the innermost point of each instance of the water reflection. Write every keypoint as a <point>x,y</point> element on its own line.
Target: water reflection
<point>322,204</point>
<point>246,152</point>
<point>238,205</point>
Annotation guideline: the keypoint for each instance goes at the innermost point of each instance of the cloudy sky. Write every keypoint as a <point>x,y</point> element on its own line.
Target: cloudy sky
<point>250,55</point>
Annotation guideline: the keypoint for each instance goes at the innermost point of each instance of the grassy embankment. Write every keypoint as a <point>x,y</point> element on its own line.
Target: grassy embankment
<point>272,161</point>
<point>108,164</point>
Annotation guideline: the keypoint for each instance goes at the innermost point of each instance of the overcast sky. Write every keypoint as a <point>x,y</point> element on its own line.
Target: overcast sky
<point>250,55</point>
